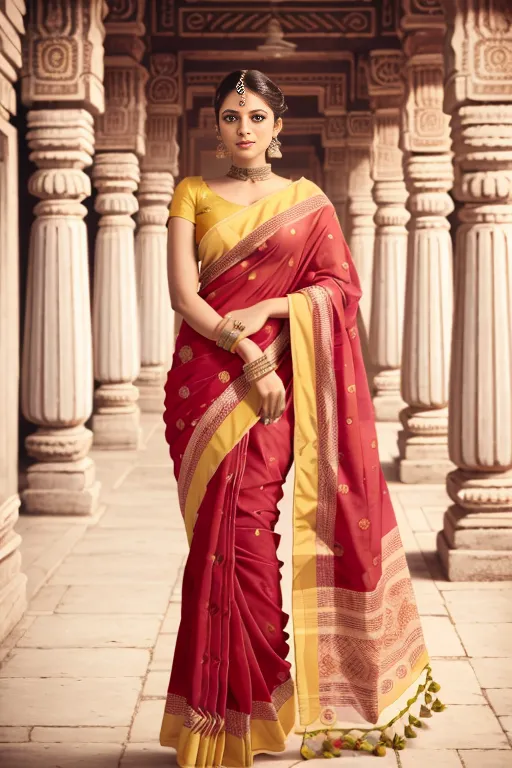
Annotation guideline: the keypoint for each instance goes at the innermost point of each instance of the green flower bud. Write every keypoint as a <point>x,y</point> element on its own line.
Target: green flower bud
<point>410,732</point>
<point>327,745</point>
<point>425,711</point>
<point>438,706</point>
<point>327,754</point>
<point>410,702</point>
<point>379,750</point>
<point>434,687</point>
<point>428,698</point>
<point>414,721</point>
<point>306,752</point>
<point>336,752</point>
<point>398,742</point>
<point>385,739</point>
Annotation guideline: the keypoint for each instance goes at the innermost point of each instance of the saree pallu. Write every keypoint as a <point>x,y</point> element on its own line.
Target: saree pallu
<point>359,645</point>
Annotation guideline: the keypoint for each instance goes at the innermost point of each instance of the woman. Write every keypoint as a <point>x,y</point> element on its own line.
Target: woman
<point>268,371</point>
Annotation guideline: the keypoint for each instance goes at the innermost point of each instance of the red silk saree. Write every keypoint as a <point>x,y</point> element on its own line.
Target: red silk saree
<point>358,640</point>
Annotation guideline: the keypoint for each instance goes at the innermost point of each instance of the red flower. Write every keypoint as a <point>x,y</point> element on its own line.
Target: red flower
<point>337,743</point>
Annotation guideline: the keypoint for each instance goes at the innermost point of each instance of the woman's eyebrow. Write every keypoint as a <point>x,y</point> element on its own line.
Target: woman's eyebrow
<point>236,112</point>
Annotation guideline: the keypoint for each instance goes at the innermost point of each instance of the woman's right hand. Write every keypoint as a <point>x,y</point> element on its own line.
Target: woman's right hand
<point>270,386</point>
<point>273,396</point>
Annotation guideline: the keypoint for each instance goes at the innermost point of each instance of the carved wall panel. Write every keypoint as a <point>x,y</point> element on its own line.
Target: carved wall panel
<point>63,57</point>
<point>384,74</point>
<point>163,110</point>
<point>163,17</point>
<point>423,15</point>
<point>359,126</point>
<point>480,51</point>
<point>125,17</point>
<point>122,126</point>
<point>243,21</point>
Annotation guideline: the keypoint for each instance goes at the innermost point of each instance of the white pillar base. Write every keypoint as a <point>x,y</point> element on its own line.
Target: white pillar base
<point>13,584</point>
<point>151,389</point>
<point>117,431</point>
<point>423,446</point>
<point>415,471</point>
<point>476,541</point>
<point>387,401</point>
<point>62,488</point>
<point>474,565</point>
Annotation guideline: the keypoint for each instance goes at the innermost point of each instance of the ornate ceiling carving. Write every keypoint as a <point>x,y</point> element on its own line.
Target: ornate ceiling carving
<point>235,18</point>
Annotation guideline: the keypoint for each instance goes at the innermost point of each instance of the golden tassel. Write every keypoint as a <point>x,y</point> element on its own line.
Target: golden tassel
<point>332,747</point>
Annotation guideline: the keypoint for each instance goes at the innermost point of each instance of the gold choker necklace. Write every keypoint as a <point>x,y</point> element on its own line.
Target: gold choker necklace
<point>254,174</point>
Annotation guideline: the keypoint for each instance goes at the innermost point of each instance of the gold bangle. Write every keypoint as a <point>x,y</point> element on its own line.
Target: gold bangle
<point>258,368</point>
<point>260,373</point>
<point>222,323</point>
<point>252,363</point>
<point>230,338</point>
<point>236,342</point>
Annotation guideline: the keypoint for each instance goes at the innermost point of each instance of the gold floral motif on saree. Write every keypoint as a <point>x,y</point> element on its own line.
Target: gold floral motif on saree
<point>185,353</point>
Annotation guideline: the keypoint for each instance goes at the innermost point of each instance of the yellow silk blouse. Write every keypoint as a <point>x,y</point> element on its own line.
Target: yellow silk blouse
<point>195,201</point>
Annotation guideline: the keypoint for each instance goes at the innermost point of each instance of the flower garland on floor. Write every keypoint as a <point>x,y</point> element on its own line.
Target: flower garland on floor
<point>332,741</point>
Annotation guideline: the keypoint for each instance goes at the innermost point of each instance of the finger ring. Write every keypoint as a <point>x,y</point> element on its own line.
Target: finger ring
<point>266,421</point>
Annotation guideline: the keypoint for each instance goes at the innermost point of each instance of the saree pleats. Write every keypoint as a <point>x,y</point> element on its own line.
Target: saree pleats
<point>359,645</point>
<point>230,693</point>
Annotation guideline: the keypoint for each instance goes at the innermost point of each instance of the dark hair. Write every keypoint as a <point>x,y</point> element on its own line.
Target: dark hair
<point>256,82</point>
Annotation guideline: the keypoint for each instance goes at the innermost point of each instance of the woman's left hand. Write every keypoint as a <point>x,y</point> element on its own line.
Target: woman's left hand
<point>253,318</point>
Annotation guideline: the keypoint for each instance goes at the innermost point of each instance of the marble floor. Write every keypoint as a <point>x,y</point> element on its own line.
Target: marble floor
<point>84,674</point>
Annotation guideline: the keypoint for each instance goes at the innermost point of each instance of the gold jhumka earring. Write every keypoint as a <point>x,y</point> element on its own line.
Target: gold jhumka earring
<point>222,151</point>
<point>273,148</point>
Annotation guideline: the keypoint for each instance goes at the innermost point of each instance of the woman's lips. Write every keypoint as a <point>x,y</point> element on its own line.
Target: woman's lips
<point>245,144</point>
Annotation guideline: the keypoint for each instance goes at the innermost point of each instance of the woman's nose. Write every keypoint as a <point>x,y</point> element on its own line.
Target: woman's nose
<point>244,126</point>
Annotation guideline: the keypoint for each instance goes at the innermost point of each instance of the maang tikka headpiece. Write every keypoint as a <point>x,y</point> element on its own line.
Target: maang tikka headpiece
<point>240,88</point>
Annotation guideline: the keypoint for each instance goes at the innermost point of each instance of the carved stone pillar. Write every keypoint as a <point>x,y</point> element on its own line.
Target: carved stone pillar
<point>361,206</point>
<point>159,166</point>
<point>115,322</point>
<point>390,254</point>
<point>63,64</point>
<point>423,443</point>
<point>120,139</point>
<point>12,582</point>
<point>476,542</point>
<point>155,312</point>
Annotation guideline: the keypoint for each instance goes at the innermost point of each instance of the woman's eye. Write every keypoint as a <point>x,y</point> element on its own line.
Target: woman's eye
<point>262,118</point>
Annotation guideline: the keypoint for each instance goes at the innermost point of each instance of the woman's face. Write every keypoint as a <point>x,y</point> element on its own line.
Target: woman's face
<point>247,131</point>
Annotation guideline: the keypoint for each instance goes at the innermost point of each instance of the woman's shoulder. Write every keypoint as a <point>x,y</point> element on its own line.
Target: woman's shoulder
<point>189,183</point>
<point>311,186</point>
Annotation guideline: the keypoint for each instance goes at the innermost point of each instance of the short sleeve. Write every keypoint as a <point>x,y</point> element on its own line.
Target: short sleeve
<point>183,203</point>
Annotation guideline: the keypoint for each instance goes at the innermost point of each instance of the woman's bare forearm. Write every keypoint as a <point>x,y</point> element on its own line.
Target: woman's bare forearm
<point>277,307</point>
<point>205,320</point>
